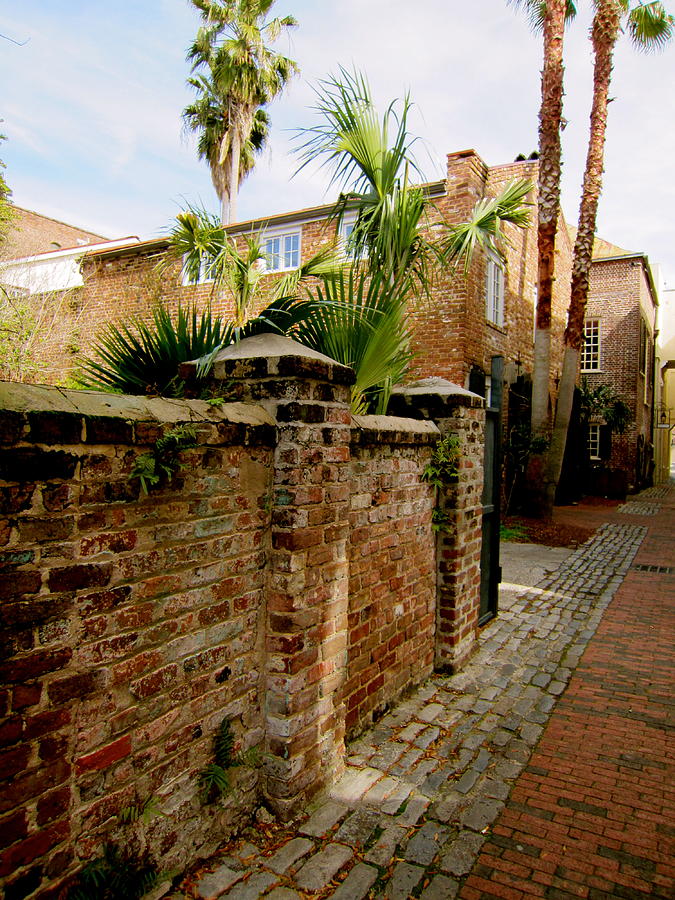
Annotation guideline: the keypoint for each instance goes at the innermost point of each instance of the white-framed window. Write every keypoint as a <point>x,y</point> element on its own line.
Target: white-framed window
<point>282,250</point>
<point>494,290</point>
<point>590,352</point>
<point>205,273</point>
<point>594,441</point>
<point>344,233</point>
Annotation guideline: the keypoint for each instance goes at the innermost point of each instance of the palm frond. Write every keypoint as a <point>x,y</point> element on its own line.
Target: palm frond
<point>535,10</point>
<point>142,357</point>
<point>361,321</point>
<point>484,228</point>
<point>325,263</point>
<point>649,26</point>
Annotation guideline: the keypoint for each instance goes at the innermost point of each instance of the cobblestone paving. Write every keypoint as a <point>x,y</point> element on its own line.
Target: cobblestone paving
<point>639,508</point>
<point>423,787</point>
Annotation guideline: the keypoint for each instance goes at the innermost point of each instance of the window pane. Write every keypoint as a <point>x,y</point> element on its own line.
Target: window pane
<point>291,251</point>
<point>590,353</point>
<point>494,292</point>
<point>594,441</point>
<point>272,250</point>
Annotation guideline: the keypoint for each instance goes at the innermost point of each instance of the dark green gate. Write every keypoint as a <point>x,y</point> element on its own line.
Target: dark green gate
<point>490,569</point>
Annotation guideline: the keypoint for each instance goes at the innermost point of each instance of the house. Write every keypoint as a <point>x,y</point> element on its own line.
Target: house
<point>664,405</point>
<point>41,304</point>
<point>467,321</point>
<point>40,254</point>
<point>620,351</point>
<point>30,233</point>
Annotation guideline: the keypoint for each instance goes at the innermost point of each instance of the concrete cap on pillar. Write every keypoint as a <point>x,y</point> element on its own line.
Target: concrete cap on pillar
<point>433,395</point>
<point>270,354</point>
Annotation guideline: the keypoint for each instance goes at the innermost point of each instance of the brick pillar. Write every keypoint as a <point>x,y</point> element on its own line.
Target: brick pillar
<point>458,550</point>
<point>307,586</point>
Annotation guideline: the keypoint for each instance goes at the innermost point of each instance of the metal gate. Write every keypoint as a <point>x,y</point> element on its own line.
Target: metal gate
<point>490,570</point>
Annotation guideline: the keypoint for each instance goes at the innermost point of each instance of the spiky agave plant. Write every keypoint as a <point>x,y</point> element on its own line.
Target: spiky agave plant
<point>139,357</point>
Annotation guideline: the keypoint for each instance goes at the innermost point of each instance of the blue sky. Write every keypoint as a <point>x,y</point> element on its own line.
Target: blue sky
<point>91,106</point>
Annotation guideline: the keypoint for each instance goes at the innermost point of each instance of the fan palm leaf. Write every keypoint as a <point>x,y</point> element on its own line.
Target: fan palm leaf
<point>484,229</point>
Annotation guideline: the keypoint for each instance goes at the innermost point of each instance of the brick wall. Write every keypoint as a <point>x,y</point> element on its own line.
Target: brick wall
<point>620,298</point>
<point>392,593</point>
<point>131,624</point>
<point>458,552</point>
<point>286,580</point>
<point>450,330</point>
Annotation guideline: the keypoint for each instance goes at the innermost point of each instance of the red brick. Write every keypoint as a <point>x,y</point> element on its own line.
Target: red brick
<point>13,828</point>
<point>53,805</point>
<point>105,757</point>
<point>32,848</point>
<point>73,578</point>
<point>27,785</point>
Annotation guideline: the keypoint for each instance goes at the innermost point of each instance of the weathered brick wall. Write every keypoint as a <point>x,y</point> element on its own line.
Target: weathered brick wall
<point>458,551</point>
<point>287,580</point>
<point>619,296</point>
<point>392,592</point>
<point>131,624</point>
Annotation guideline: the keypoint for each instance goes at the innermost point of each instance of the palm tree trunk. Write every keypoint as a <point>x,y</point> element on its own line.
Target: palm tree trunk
<point>234,174</point>
<point>221,179</point>
<point>604,34</point>
<point>548,204</point>
<point>550,114</point>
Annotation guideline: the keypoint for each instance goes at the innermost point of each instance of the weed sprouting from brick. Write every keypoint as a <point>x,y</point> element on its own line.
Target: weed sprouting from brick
<point>214,780</point>
<point>116,875</point>
<point>162,463</point>
<point>441,470</point>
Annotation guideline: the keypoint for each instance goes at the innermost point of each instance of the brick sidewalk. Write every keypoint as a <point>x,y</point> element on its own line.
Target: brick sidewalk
<point>593,814</point>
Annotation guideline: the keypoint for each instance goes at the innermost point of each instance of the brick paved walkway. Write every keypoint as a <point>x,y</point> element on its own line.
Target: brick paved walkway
<point>541,770</point>
<point>593,814</point>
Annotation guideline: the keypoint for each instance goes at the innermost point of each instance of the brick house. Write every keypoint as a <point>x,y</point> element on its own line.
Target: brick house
<point>41,279</point>
<point>31,233</point>
<point>457,330</point>
<point>466,321</point>
<point>619,350</point>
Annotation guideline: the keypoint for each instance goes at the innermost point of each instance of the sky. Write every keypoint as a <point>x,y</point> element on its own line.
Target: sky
<point>91,105</point>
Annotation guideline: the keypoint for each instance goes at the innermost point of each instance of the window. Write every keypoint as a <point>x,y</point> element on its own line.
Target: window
<point>346,228</point>
<point>594,441</point>
<point>643,346</point>
<point>205,273</point>
<point>590,352</point>
<point>282,251</point>
<point>494,290</point>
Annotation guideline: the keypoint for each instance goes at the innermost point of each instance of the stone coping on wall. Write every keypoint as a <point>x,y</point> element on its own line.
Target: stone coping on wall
<point>272,355</point>
<point>56,415</point>
<point>392,430</point>
<point>432,397</point>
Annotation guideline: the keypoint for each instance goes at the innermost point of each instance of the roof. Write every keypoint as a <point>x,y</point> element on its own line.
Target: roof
<point>31,233</point>
<point>602,249</point>
<point>298,216</point>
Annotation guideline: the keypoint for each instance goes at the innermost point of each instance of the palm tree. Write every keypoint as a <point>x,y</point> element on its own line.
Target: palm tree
<point>207,117</point>
<point>548,17</point>
<point>371,158</point>
<point>237,74</point>
<point>650,27</point>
